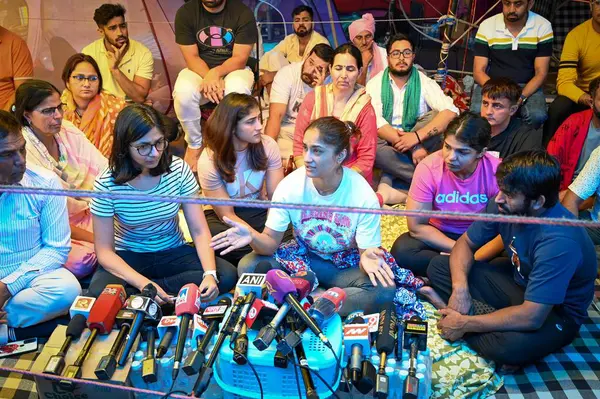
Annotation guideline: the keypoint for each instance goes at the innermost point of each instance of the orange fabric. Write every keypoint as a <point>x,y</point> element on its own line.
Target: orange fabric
<point>98,120</point>
<point>16,64</point>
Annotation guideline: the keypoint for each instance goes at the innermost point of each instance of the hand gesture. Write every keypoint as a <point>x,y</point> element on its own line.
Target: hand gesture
<point>372,263</point>
<point>208,289</point>
<point>213,86</point>
<point>460,301</point>
<point>115,57</point>
<point>320,76</point>
<point>238,236</point>
<point>451,325</point>
<point>406,141</point>
<point>367,57</point>
<point>266,78</point>
<point>418,154</point>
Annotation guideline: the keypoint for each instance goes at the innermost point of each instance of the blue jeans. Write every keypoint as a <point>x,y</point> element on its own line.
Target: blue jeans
<point>533,112</point>
<point>360,293</point>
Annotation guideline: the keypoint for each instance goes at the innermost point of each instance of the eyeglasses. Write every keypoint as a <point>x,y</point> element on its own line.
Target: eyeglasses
<point>406,53</point>
<point>82,78</point>
<point>52,110</point>
<point>146,149</point>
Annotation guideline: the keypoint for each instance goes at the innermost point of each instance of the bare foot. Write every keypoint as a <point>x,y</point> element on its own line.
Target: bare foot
<point>432,296</point>
<point>390,195</point>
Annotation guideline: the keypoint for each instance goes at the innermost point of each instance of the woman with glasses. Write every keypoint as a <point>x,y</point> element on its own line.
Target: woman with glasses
<point>90,108</point>
<point>348,101</point>
<point>139,242</point>
<point>374,58</point>
<point>57,145</point>
<point>237,162</point>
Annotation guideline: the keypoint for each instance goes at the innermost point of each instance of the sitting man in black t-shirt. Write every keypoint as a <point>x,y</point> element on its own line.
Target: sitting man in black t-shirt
<point>517,310</point>
<point>216,38</point>
<point>499,104</point>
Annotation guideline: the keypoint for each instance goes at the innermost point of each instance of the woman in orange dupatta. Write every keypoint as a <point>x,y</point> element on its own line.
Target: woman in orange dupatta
<point>89,108</point>
<point>347,101</point>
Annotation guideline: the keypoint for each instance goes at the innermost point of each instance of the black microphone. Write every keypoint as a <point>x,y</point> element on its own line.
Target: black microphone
<point>386,337</point>
<point>214,314</point>
<point>202,382</point>
<point>241,319</point>
<point>309,384</point>
<point>108,363</point>
<point>144,306</point>
<point>149,362</point>
<point>56,363</point>
<point>240,347</point>
<point>415,339</point>
<point>170,325</point>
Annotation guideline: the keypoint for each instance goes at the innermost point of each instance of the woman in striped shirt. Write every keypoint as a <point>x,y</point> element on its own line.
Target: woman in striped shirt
<point>140,242</point>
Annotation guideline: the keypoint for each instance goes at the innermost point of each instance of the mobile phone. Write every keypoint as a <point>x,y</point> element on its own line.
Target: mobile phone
<point>18,347</point>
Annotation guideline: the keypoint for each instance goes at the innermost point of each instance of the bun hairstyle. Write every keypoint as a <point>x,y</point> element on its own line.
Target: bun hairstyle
<point>333,132</point>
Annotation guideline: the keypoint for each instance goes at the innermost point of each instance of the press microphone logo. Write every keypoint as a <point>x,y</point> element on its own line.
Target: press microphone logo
<point>252,279</point>
<point>356,331</point>
<point>182,297</point>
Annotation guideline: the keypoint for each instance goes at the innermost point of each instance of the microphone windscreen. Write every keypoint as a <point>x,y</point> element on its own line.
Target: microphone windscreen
<point>188,300</point>
<point>105,309</point>
<point>308,276</point>
<point>76,326</point>
<point>386,335</point>
<point>260,313</point>
<point>149,291</point>
<point>279,284</point>
<point>303,287</point>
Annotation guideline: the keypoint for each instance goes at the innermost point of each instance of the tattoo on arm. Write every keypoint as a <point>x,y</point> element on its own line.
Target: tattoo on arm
<point>432,132</point>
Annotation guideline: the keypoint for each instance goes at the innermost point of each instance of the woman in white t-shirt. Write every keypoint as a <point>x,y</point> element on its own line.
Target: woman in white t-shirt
<point>458,178</point>
<point>342,249</point>
<point>139,241</point>
<point>237,162</point>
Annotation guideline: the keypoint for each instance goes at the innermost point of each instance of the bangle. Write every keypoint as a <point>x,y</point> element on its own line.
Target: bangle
<point>212,273</point>
<point>418,138</point>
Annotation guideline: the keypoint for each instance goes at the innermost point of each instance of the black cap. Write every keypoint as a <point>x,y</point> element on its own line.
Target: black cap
<point>76,326</point>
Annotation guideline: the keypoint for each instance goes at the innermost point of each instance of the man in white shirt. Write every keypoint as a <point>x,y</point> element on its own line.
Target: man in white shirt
<point>292,83</point>
<point>36,240</point>
<point>293,48</point>
<point>407,128</point>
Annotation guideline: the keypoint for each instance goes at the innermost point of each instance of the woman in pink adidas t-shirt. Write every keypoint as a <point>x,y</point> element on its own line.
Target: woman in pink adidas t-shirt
<point>458,178</point>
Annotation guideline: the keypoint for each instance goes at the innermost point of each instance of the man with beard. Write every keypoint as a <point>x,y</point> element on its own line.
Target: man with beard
<point>579,64</point>
<point>498,106</point>
<point>412,111</point>
<point>576,138</point>
<point>126,65</point>
<point>515,310</point>
<point>216,38</point>
<point>293,48</point>
<point>36,240</point>
<point>292,83</point>
<point>516,44</point>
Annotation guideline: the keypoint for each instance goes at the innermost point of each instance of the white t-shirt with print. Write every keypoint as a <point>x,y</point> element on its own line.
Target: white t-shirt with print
<point>326,232</point>
<point>288,88</point>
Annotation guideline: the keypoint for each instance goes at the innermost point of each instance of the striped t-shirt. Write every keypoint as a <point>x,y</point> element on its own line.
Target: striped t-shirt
<point>509,56</point>
<point>146,226</point>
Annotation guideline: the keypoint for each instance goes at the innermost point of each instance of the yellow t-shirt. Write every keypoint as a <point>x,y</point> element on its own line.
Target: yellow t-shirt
<point>579,61</point>
<point>138,61</point>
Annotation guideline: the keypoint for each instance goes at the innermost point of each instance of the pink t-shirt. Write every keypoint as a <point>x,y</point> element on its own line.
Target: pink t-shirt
<point>433,183</point>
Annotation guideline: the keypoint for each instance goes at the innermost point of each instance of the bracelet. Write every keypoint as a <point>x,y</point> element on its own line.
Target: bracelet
<point>212,273</point>
<point>418,138</point>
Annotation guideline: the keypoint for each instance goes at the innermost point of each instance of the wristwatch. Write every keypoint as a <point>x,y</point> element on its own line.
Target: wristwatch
<point>523,99</point>
<point>211,273</point>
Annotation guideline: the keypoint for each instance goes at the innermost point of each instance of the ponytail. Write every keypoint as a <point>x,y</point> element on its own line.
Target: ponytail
<point>336,133</point>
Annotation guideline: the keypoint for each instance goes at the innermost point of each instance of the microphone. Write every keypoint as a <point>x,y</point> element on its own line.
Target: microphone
<point>187,305</point>
<point>259,313</point>
<point>357,342</point>
<point>56,363</point>
<point>168,326</point>
<point>386,336</point>
<point>101,321</point>
<point>282,289</point>
<point>144,306</point>
<point>149,362</point>
<point>251,282</point>
<point>327,305</point>
<point>214,314</point>
<point>202,383</point>
<point>309,384</point>
<point>248,301</point>
<point>300,285</point>
<point>415,339</point>
<point>108,363</point>
<point>82,305</point>
<point>240,347</point>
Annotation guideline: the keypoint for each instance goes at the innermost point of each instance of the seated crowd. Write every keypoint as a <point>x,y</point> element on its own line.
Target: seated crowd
<point>360,125</point>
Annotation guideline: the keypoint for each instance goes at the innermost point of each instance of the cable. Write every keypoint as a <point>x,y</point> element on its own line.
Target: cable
<point>318,375</point>
<point>297,380</point>
<point>172,392</point>
<point>262,394</point>
<point>338,363</point>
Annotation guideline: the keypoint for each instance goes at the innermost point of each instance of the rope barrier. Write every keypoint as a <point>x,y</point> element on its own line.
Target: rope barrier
<point>246,203</point>
<point>90,382</point>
